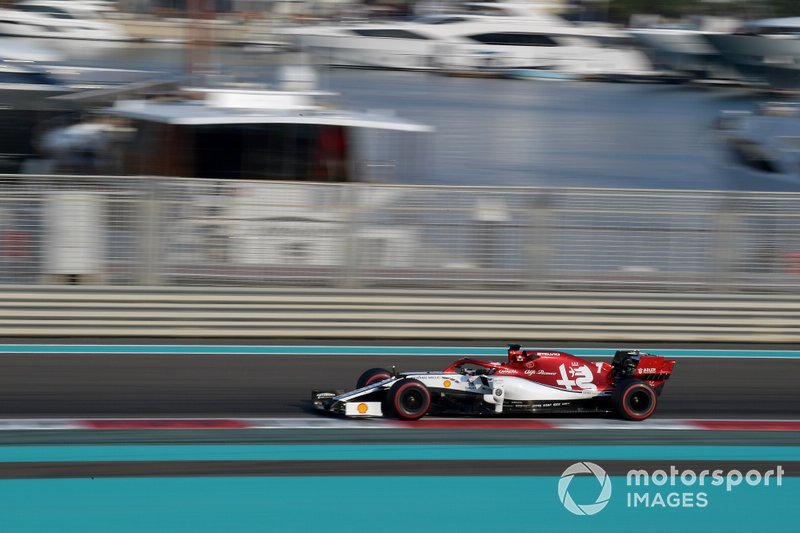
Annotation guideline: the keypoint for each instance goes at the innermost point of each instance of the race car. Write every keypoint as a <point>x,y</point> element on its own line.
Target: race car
<point>529,382</point>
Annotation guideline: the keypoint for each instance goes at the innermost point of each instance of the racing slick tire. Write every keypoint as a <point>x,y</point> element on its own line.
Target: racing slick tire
<point>408,399</point>
<point>634,399</point>
<point>371,376</point>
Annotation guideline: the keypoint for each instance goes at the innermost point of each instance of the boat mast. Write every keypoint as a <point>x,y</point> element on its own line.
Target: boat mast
<point>199,36</point>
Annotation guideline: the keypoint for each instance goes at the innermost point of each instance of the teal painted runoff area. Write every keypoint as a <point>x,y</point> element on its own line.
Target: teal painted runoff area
<point>387,452</point>
<point>449,351</point>
<point>386,504</point>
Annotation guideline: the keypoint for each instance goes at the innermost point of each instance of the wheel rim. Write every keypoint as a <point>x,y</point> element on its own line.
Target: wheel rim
<point>412,401</point>
<point>639,401</point>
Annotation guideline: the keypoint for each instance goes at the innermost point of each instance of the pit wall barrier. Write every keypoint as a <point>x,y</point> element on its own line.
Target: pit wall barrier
<point>374,314</point>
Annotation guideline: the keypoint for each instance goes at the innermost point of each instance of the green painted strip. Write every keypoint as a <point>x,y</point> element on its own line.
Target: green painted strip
<point>422,351</point>
<point>401,452</point>
<point>390,504</point>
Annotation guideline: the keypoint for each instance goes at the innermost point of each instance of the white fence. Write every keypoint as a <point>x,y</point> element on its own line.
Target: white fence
<point>186,232</point>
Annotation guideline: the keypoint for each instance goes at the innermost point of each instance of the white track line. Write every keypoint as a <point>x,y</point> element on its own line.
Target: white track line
<point>173,424</point>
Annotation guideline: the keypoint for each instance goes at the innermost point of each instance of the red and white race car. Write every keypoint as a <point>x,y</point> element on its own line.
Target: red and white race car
<point>530,382</point>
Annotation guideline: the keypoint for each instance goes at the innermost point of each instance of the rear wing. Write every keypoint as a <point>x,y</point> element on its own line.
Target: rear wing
<point>641,365</point>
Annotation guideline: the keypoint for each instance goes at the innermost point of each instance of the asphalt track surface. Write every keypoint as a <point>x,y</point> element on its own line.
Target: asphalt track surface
<point>355,468</point>
<point>277,386</point>
<point>81,385</point>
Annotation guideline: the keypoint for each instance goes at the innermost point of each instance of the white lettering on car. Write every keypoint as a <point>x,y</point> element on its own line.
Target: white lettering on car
<point>564,381</point>
<point>583,378</point>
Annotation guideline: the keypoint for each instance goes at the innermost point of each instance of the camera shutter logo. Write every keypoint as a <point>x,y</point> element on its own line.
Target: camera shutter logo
<point>588,508</point>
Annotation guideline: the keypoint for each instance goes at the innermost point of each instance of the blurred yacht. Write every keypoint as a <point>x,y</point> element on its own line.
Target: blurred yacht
<point>19,80</point>
<point>21,51</point>
<point>250,132</point>
<point>32,94</point>
<point>764,51</point>
<point>58,19</point>
<point>502,36</point>
<point>98,8</point>
<point>683,48</point>
<point>26,93</point>
<point>764,145</point>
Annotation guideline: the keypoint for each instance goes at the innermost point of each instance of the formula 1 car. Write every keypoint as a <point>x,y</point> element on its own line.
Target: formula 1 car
<point>530,382</point>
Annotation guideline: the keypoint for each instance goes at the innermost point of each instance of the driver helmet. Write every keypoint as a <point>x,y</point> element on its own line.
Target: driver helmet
<point>515,354</point>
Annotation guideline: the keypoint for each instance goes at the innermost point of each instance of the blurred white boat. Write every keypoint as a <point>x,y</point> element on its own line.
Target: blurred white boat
<point>506,36</point>
<point>539,74</point>
<point>26,99</point>
<point>25,88</point>
<point>245,133</point>
<point>683,48</point>
<point>764,51</point>
<point>33,93</point>
<point>19,50</point>
<point>58,19</point>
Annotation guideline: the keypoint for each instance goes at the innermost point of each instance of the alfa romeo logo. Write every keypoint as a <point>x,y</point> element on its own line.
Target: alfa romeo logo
<point>586,508</point>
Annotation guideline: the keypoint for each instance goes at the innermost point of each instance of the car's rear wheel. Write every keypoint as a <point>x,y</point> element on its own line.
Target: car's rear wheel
<point>634,399</point>
<point>373,375</point>
<point>408,399</point>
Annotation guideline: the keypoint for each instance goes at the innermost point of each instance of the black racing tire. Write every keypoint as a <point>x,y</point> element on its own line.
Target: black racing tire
<point>634,399</point>
<point>371,376</point>
<point>408,399</point>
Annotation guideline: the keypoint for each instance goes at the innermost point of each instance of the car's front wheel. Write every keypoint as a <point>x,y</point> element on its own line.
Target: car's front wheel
<point>373,375</point>
<point>408,399</point>
<point>634,399</point>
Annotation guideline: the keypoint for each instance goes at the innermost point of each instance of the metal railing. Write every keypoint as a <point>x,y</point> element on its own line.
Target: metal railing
<point>187,232</point>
